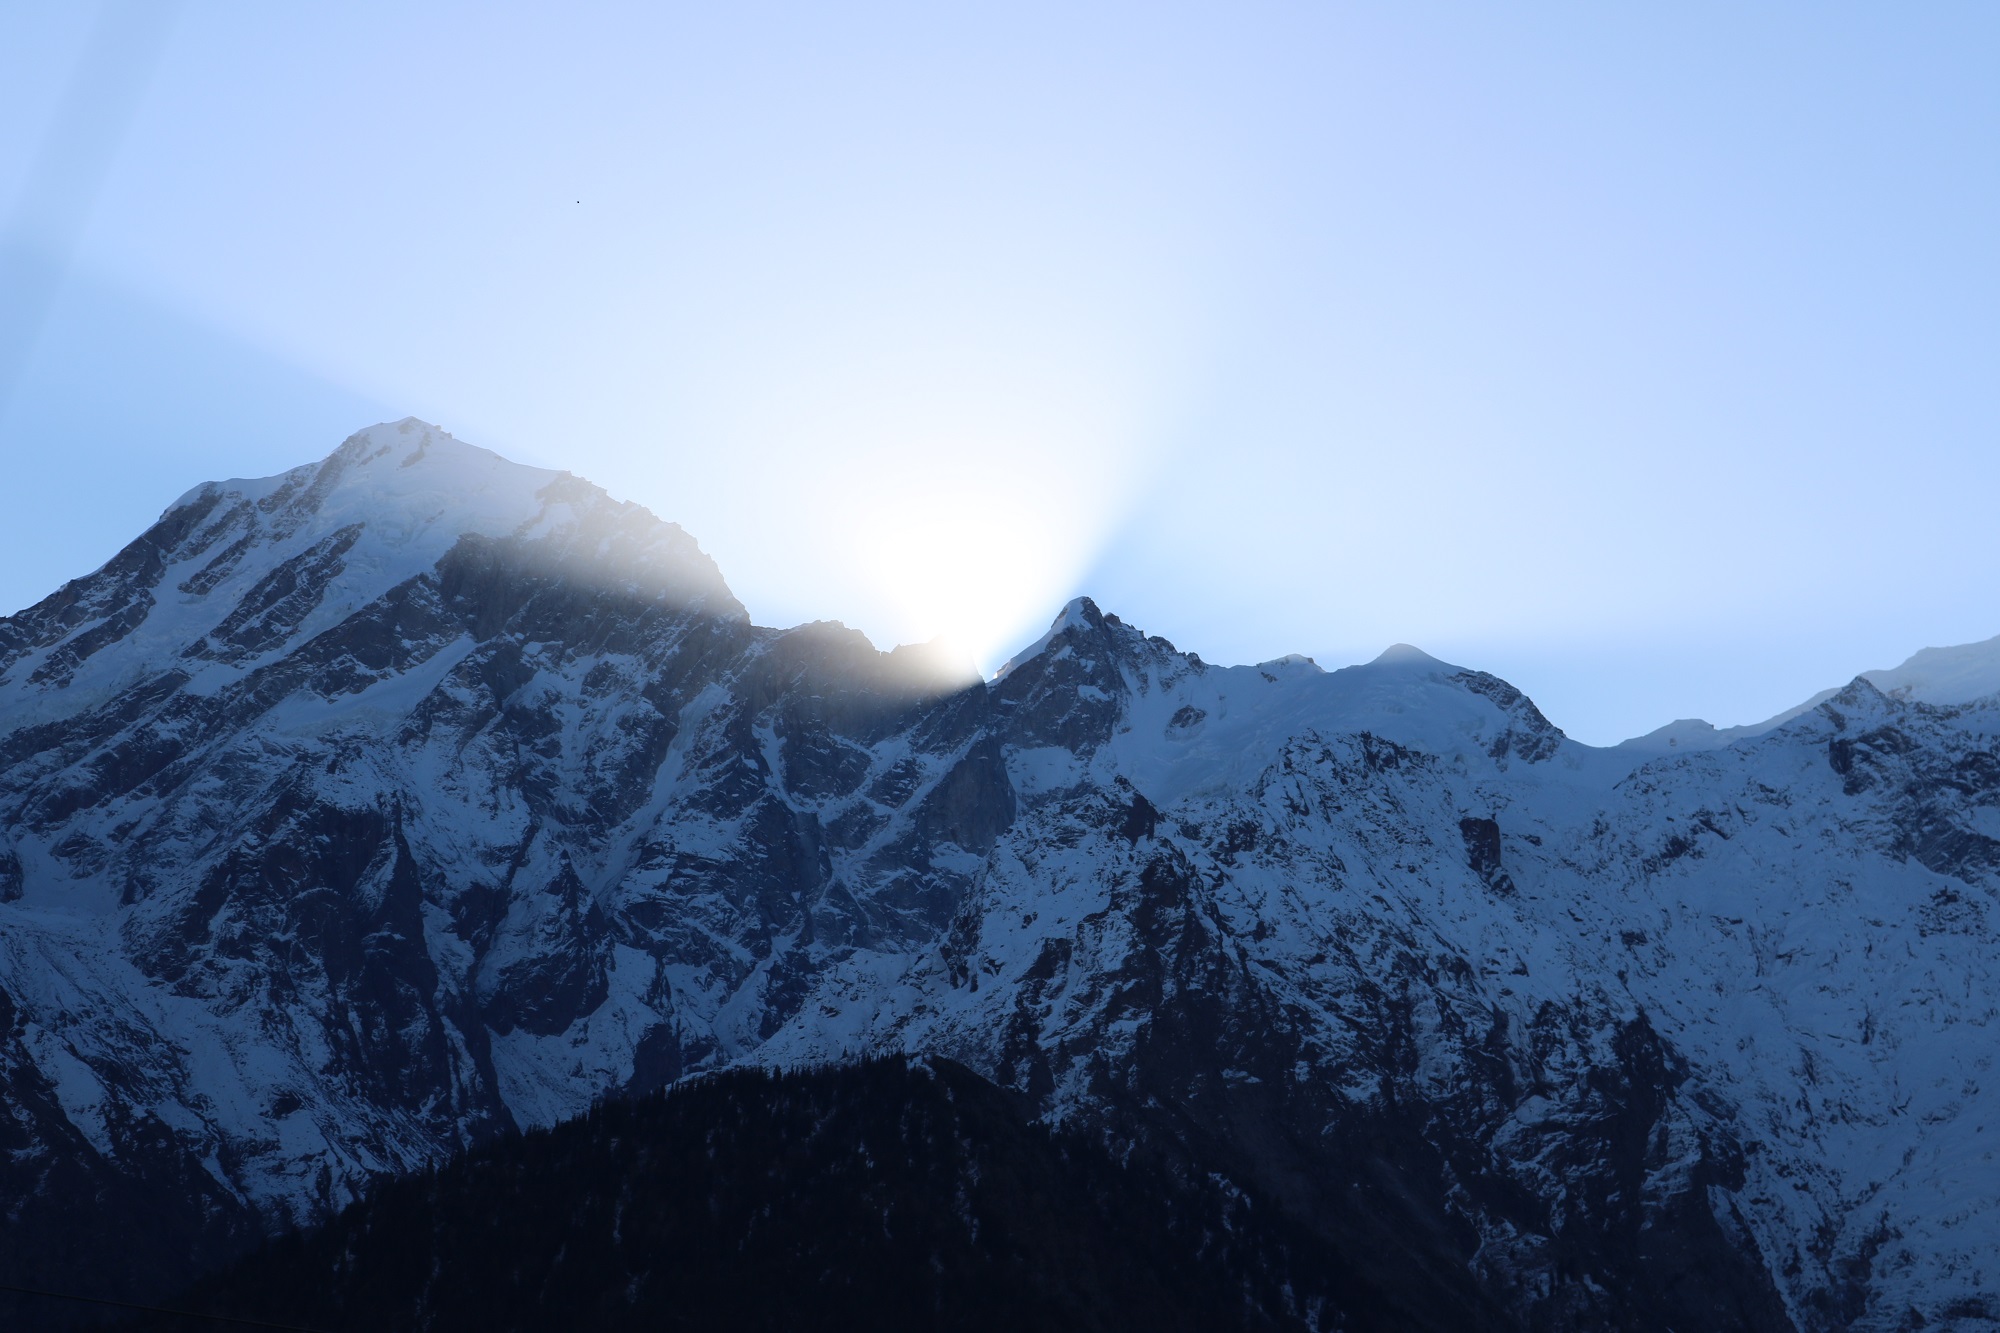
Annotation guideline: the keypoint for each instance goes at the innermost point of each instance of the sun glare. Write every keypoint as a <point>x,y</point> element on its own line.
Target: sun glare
<point>947,473</point>
<point>979,573</point>
<point>957,547</point>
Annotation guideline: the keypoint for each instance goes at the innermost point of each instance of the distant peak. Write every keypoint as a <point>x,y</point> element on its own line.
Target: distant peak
<point>1404,654</point>
<point>1292,664</point>
<point>1954,675</point>
<point>1688,733</point>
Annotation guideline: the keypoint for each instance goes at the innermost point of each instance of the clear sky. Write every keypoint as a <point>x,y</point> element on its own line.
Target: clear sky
<point>1644,355</point>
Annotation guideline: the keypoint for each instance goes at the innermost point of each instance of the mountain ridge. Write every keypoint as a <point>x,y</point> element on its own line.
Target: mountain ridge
<point>1951,674</point>
<point>331,863</point>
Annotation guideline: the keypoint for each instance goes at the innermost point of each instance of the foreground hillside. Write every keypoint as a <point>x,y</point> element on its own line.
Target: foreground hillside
<point>883,1195</point>
<point>361,814</point>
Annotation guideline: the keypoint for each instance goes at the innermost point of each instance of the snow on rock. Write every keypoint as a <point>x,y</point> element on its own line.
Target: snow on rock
<point>1957,675</point>
<point>1944,675</point>
<point>362,812</point>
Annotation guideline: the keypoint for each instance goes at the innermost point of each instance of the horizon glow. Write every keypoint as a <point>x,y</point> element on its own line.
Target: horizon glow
<point>1637,358</point>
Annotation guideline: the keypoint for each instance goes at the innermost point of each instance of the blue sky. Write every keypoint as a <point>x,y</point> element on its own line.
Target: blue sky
<point>1644,358</point>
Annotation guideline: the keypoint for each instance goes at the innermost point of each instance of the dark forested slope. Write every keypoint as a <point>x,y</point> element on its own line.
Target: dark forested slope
<point>893,1194</point>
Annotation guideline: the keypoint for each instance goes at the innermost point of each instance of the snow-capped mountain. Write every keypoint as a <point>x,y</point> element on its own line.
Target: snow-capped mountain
<point>359,813</point>
<point>1956,675</point>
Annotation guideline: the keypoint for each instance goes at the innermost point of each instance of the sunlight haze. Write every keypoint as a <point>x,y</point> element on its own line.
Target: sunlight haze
<point>1642,358</point>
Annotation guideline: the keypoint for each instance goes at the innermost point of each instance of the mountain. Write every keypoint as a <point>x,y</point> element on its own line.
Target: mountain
<point>1957,675</point>
<point>362,814</point>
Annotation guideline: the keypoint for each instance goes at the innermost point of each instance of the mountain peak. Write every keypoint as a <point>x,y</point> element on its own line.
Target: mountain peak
<point>416,446</point>
<point>1297,663</point>
<point>393,465</point>
<point>1687,733</point>
<point>1406,655</point>
<point>237,572</point>
<point>409,442</point>
<point>409,483</point>
<point>1079,615</point>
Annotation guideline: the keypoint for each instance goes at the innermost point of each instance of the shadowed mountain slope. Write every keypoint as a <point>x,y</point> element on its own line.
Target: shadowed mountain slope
<point>882,1195</point>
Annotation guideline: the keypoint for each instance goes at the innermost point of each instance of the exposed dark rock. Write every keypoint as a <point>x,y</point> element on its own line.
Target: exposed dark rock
<point>1482,852</point>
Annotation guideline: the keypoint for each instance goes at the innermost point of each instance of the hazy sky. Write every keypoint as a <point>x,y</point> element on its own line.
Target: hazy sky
<point>1644,355</point>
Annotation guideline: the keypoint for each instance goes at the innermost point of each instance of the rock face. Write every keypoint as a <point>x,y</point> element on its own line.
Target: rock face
<point>358,814</point>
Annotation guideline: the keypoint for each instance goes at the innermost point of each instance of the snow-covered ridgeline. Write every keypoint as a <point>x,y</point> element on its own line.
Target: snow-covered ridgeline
<point>359,812</point>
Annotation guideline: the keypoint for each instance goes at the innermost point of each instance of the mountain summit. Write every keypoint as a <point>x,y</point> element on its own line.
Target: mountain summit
<point>411,798</point>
